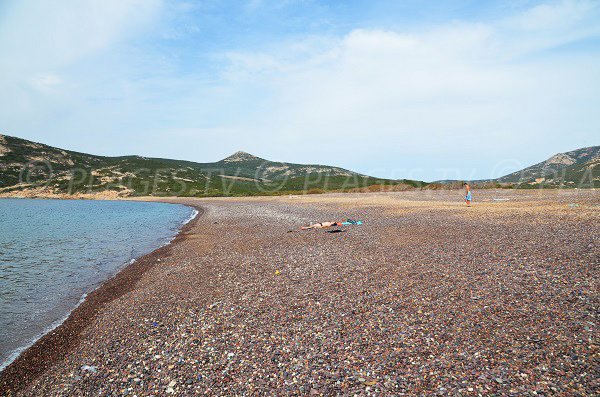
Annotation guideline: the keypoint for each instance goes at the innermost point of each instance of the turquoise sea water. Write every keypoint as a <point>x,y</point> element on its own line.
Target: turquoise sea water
<point>54,252</point>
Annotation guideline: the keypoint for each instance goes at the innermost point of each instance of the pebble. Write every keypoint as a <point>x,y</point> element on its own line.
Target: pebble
<point>427,297</point>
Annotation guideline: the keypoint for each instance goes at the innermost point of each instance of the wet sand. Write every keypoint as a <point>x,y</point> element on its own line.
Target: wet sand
<point>428,297</point>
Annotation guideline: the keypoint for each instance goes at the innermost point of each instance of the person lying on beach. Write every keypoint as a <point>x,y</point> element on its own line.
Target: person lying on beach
<point>321,225</point>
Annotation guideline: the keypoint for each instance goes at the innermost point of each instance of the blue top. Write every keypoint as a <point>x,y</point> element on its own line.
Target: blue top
<point>351,222</point>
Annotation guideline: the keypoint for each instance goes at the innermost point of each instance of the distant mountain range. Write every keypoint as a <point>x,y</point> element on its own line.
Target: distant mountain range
<point>574,169</point>
<point>34,169</point>
<point>577,168</point>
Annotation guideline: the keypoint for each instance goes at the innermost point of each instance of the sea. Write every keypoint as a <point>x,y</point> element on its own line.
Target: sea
<point>54,252</point>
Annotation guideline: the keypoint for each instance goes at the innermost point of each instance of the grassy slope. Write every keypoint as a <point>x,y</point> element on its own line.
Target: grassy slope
<point>74,172</point>
<point>584,172</point>
<point>552,173</point>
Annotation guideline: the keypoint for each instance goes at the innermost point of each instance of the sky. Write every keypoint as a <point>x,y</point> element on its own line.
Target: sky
<point>398,89</point>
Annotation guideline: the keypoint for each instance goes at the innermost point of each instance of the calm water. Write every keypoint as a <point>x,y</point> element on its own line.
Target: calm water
<point>53,252</point>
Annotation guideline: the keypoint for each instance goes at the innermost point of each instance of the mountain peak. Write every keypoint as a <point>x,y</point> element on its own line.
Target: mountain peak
<point>560,159</point>
<point>574,168</point>
<point>240,156</point>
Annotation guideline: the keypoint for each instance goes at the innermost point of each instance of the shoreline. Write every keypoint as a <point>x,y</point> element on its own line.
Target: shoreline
<point>55,343</point>
<point>241,307</point>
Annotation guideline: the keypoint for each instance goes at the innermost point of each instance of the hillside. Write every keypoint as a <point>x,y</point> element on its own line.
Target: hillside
<point>34,169</point>
<point>577,168</point>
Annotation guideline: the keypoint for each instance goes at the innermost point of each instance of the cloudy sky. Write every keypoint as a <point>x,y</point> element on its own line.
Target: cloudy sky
<point>401,89</point>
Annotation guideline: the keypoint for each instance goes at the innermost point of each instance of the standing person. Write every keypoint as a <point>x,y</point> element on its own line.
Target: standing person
<point>468,196</point>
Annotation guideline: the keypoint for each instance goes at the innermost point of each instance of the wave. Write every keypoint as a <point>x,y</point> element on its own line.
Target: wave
<point>17,352</point>
<point>195,213</point>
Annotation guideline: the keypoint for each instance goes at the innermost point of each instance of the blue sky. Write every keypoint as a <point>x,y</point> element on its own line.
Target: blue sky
<point>400,89</point>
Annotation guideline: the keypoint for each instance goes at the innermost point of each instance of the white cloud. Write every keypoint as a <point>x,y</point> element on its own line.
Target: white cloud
<point>472,96</point>
<point>550,25</point>
<point>61,32</point>
<point>45,40</point>
<point>56,54</point>
<point>464,87</point>
<point>45,81</point>
<point>549,17</point>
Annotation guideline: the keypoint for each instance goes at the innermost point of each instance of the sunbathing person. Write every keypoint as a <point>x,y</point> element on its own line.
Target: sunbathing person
<point>321,225</point>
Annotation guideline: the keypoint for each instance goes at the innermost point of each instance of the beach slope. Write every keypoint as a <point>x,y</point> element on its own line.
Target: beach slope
<point>426,297</point>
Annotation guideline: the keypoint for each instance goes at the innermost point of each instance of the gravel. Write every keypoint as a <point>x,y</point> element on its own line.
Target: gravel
<point>427,297</point>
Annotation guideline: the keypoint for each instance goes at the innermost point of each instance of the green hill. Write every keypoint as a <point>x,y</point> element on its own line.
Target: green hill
<point>35,169</point>
<point>577,168</point>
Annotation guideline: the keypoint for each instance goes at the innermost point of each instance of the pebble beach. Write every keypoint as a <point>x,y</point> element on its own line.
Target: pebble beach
<point>426,297</point>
